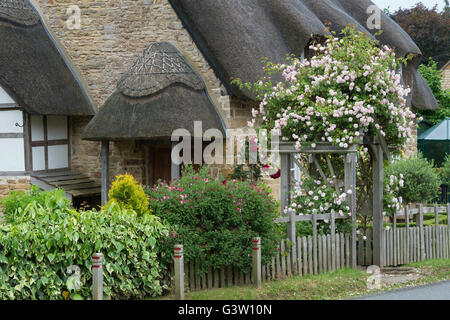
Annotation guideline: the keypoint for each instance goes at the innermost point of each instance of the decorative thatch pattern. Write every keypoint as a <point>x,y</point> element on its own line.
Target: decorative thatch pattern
<point>159,94</point>
<point>33,70</point>
<point>160,66</point>
<point>18,11</point>
<point>235,35</point>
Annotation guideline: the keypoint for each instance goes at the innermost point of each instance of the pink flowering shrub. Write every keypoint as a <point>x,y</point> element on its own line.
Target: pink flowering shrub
<point>215,220</point>
<point>351,87</point>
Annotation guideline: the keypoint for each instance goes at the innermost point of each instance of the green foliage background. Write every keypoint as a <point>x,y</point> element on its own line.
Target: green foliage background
<point>421,180</point>
<point>433,76</point>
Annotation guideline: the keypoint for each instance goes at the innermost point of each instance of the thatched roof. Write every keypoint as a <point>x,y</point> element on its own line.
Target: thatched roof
<point>33,69</point>
<point>157,95</point>
<point>235,35</point>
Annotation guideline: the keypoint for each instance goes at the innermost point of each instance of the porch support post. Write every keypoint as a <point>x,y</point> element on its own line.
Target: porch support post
<point>175,168</point>
<point>105,171</point>
<point>285,177</point>
<point>378,231</point>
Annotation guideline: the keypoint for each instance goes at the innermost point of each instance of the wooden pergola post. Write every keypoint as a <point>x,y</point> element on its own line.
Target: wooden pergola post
<point>378,230</point>
<point>350,185</point>
<point>105,171</point>
<point>287,156</point>
<point>285,177</point>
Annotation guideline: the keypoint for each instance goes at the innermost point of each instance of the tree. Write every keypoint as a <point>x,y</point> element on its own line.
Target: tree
<point>433,76</point>
<point>429,28</point>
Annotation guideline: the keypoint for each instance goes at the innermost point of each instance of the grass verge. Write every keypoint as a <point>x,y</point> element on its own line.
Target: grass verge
<point>341,284</point>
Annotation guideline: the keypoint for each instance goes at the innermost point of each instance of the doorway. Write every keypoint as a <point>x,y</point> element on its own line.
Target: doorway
<point>158,163</point>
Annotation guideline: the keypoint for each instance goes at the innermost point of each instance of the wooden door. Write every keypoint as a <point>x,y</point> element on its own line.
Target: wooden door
<point>158,164</point>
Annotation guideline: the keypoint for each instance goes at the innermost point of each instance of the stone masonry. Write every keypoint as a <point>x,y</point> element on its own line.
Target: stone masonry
<point>446,76</point>
<point>8,184</point>
<point>112,35</point>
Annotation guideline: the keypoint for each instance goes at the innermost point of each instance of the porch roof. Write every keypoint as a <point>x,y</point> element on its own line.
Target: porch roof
<point>236,35</point>
<point>34,71</point>
<point>160,93</point>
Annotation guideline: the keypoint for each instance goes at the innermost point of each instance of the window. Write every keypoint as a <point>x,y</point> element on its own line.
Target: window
<point>49,142</point>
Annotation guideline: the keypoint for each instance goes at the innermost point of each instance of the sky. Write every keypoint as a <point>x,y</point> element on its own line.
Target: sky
<point>406,4</point>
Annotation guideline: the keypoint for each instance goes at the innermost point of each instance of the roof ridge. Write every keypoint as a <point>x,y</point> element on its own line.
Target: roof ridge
<point>19,12</point>
<point>158,67</point>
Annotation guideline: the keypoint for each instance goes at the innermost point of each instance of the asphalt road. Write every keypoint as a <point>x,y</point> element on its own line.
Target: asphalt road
<point>437,291</point>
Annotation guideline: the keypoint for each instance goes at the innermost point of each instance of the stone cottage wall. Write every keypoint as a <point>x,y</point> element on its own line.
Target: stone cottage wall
<point>446,77</point>
<point>7,184</point>
<point>112,35</point>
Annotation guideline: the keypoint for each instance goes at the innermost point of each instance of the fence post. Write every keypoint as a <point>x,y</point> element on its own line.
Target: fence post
<point>407,233</point>
<point>437,233</point>
<point>97,276</point>
<point>394,241</point>
<point>291,228</point>
<point>333,241</point>
<point>179,272</point>
<point>448,228</point>
<point>314,244</point>
<point>422,235</point>
<point>292,236</point>
<point>256,268</point>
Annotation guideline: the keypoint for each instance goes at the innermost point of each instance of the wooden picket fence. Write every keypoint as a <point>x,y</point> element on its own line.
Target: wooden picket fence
<point>213,278</point>
<point>309,256</point>
<point>318,254</point>
<point>410,243</point>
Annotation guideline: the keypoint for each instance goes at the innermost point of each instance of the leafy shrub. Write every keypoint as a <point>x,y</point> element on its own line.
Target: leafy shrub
<point>128,194</point>
<point>421,181</point>
<point>54,199</point>
<point>39,243</point>
<point>215,220</point>
<point>445,173</point>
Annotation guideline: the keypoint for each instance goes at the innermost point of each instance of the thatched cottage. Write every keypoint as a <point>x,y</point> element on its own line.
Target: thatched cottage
<point>109,93</point>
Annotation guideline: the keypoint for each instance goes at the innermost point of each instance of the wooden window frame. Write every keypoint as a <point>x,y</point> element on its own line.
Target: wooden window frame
<point>23,135</point>
<point>45,143</point>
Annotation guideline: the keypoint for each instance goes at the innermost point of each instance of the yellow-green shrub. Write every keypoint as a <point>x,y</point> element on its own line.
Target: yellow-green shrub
<point>129,194</point>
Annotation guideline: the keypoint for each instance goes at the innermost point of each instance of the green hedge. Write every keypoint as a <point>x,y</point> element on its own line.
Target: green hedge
<point>39,242</point>
<point>421,180</point>
<point>215,220</point>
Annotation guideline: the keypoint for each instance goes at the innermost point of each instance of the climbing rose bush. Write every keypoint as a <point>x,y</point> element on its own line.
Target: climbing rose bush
<point>314,196</point>
<point>350,87</point>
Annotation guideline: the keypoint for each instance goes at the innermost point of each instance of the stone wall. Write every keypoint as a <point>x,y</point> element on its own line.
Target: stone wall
<point>114,33</point>
<point>410,148</point>
<point>13,183</point>
<point>446,77</point>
